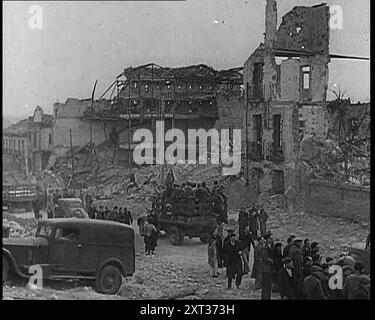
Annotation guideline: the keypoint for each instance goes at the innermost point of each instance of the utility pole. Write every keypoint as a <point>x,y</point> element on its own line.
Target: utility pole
<point>130,124</point>
<point>92,114</point>
<point>71,151</point>
<point>246,132</point>
<point>162,116</point>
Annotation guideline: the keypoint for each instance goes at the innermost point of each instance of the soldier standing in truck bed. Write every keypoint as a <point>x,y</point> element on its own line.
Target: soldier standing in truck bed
<point>128,219</point>
<point>225,202</point>
<point>189,192</point>
<point>214,188</point>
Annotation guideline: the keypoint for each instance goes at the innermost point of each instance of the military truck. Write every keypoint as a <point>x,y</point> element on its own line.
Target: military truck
<point>73,248</point>
<point>195,221</point>
<point>19,196</point>
<point>67,208</point>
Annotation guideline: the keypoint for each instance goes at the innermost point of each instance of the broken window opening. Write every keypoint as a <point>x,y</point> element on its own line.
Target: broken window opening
<point>257,150</point>
<point>258,80</point>
<point>276,133</point>
<point>305,83</point>
<point>34,140</point>
<point>278,182</point>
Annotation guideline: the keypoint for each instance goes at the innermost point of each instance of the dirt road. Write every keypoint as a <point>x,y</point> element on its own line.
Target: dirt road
<point>183,271</point>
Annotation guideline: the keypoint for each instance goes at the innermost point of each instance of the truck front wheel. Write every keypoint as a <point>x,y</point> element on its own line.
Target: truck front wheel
<point>205,237</point>
<point>174,236</point>
<point>109,280</point>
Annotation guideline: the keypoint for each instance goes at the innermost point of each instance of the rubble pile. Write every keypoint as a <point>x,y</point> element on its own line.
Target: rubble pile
<point>19,227</point>
<point>48,179</point>
<point>326,161</point>
<point>106,178</point>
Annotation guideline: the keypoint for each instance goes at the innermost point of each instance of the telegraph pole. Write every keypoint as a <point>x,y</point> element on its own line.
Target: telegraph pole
<point>246,132</point>
<point>71,150</point>
<point>92,115</point>
<point>162,116</point>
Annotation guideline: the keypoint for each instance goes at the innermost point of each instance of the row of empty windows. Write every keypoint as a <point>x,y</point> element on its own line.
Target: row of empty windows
<point>170,85</point>
<point>14,144</point>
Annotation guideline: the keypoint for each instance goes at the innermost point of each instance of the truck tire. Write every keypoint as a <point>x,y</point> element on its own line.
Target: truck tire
<point>205,237</point>
<point>182,237</point>
<point>174,236</point>
<point>5,269</point>
<point>109,280</point>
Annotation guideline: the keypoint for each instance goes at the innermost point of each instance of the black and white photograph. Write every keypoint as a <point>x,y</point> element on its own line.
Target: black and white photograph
<point>209,151</point>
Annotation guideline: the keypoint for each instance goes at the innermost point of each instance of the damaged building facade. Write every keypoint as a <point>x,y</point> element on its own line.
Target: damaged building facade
<point>286,80</point>
<point>28,144</point>
<point>190,97</point>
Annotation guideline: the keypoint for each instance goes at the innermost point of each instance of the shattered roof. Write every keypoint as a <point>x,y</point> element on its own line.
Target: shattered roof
<point>17,129</point>
<point>199,73</point>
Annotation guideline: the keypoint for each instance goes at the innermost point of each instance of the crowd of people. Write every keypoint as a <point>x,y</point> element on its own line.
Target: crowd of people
<point>295,270</point>
<point>119,214</point>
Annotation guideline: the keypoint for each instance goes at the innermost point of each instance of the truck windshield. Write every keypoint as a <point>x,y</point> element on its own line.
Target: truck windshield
<point>44,231</point>
<point>74,204</point>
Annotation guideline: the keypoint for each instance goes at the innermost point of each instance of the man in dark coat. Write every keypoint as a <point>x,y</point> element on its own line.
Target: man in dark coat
<point>287,283</point>
<point>289,244</point>
<point>296,256</point>
<point>305,249</point>
<point>246,241</point>
<point>233,261</point>
<point>253,222</point>
<point>243,220</point>
<point>263,217</point>
<point>267,267</point>
<point>312,287</point>
<point>91,212</point>
<point>219,246</point>
<point>277,266</point>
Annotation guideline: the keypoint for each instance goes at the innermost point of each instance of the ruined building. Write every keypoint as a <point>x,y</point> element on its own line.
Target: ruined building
<point>286,82</point>
<point>28,144</point>
<point>186,98</point>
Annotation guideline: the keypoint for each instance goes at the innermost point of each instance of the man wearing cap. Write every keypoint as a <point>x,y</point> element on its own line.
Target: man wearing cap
<point>287,284</point>
<point>305,249</point>
<point>233,261</point>
<point>243,220</point>
<point>312,287</point>
<point>267,267</point>
<point>289,244</point>
<point>296,256</point>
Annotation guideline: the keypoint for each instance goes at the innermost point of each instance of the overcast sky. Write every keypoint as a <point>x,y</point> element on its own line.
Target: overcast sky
<point>84,41</point>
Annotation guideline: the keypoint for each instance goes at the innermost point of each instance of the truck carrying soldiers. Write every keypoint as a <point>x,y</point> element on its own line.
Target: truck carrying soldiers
<point>187,209</point>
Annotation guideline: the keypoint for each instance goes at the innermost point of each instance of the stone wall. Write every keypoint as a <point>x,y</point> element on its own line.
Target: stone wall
<point>328,199</point>
<point>231,112</point>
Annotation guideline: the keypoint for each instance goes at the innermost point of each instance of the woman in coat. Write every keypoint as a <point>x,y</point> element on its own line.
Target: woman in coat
<point>233,260</point>
<point>150,236</point>
<point>257,267</point>
<point>212,257</point>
